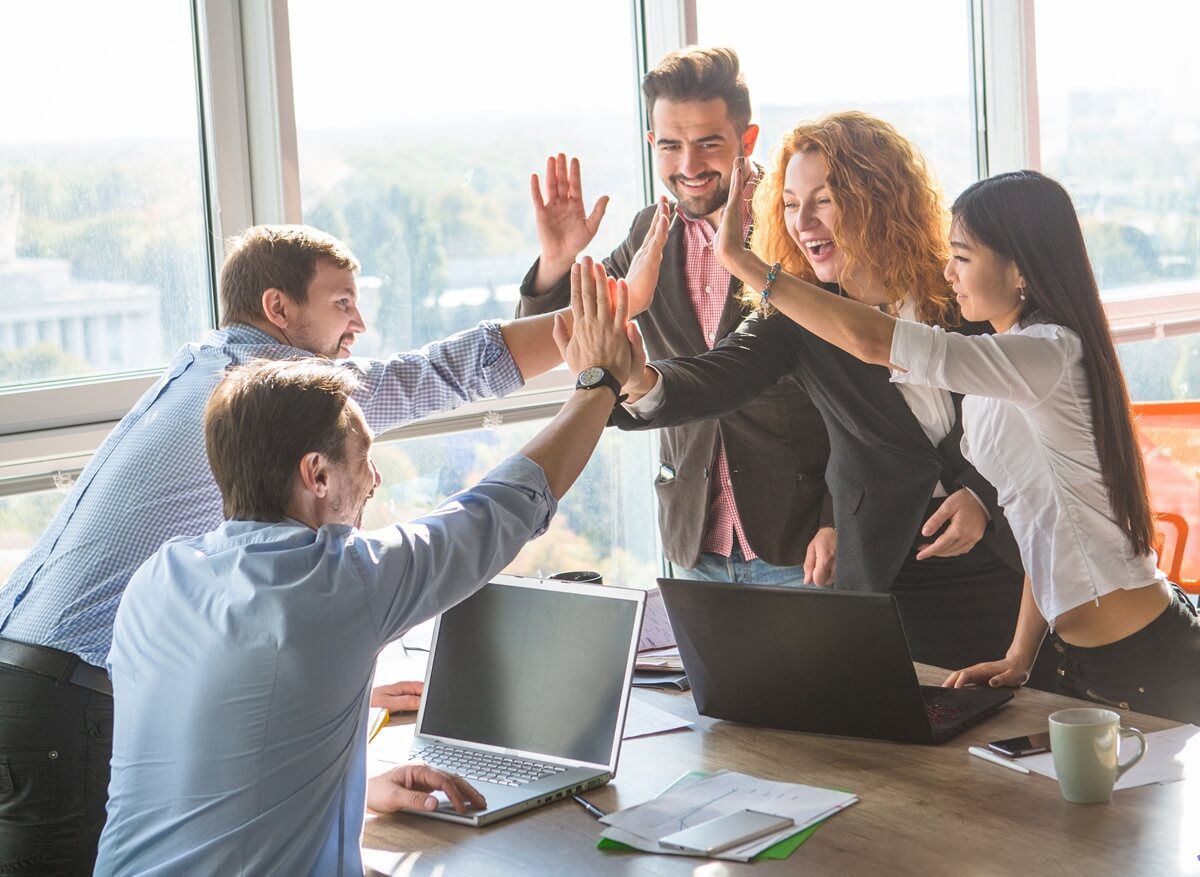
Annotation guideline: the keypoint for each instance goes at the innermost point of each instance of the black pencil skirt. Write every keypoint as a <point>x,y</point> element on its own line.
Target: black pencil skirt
<point>957,611</point>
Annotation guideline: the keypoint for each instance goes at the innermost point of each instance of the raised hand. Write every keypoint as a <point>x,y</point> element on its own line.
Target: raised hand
<point>598,333</point>
<point>642,275</point>
<point>730,244</point>
<point>563,228</point>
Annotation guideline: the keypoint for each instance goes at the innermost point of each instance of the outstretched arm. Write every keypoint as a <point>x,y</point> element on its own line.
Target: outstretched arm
<point>860,330</point>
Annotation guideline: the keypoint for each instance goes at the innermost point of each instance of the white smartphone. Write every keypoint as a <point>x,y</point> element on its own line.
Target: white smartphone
<point>724,832</point>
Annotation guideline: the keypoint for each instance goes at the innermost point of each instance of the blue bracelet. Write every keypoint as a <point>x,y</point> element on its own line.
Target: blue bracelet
<point>766,290</point>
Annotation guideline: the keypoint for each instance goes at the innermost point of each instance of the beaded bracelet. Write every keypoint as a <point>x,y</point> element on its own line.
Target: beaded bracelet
<point>766,290</point>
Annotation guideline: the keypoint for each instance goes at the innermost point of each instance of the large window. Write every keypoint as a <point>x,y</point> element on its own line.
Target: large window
<point>419,152</point>
<point>605,523</point>
<point>1119,110</point>
<point>906,64</point>
<point>103,255</point>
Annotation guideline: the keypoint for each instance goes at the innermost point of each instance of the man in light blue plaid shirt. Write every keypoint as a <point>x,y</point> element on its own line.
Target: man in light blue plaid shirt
<point>286,292</point>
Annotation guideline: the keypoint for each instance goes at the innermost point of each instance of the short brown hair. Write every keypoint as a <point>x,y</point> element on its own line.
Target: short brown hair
<point>280,256</point>
<point>260,422</point>
<point>695,74</point>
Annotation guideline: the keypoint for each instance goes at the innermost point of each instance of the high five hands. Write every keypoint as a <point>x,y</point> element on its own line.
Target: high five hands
<point>599,332</point>
<point>564,229</point>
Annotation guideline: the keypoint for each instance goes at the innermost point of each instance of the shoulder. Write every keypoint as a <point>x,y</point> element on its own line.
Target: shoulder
<point>1051,334</point>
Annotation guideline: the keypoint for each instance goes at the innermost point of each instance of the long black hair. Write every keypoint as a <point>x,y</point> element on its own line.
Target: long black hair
<point>1028,218</point>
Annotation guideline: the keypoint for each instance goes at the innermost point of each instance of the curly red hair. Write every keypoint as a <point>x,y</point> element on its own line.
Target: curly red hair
<point>891,215</point>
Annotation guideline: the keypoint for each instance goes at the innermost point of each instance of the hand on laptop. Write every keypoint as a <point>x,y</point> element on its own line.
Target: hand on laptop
<point>1008,672</point>
<point>399,697</point>
<point>407,788</point>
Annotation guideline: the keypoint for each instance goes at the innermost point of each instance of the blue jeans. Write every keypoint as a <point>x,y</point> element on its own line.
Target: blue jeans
<point>735,568</point>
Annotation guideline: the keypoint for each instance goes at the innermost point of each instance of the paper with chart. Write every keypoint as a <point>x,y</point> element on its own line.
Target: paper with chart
<point>695,800</point>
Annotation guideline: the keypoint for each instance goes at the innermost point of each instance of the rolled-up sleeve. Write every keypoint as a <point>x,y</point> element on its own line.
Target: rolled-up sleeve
<point>470,365</point>
<point>1021,367</point>
<point>416,570</point>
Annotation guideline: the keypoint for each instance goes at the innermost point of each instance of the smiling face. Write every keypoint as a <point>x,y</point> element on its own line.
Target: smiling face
<point>328,321</point>
<point>695,144</point>
<point>987,286</point>
<point>810,214</point>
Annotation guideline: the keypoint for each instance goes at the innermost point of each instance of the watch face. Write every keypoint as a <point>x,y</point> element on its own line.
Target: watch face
<point>589,377</point>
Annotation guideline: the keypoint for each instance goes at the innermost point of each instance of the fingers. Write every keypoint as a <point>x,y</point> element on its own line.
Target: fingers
<point>618,293</point>
<point>810,563</point>
<point>562,334</point>
<point>574,187</point>
<point>398,697</point>
<point>535,192</point>
<point>561,186</point>
<point>593,287</point>
<point>822,573</point>
<point>939,517</point>
<point>597,214</point>
<point>949,544</point>
<point>461,794</point>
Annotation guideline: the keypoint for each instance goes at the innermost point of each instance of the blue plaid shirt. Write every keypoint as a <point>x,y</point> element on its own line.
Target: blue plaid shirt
<point>149,481</point>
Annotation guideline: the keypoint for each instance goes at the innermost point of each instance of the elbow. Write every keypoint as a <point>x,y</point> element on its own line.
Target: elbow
<point>871,349</point>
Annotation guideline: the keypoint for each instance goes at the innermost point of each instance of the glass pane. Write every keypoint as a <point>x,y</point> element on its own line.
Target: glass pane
<point>418,151</point>
<point>22,519</point>
<point>605,523</point>
<point>1120,128</point>
<point>1162,370</point>
<point>802,61</point>
<point>103,256</point>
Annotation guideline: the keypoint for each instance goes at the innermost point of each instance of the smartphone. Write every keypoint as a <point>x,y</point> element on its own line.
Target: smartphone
<point>724,832</point>
<point>1016,747</point>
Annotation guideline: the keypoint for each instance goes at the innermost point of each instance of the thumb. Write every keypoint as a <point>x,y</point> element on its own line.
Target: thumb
<point>407,799</point>
<point>562,334</point>
<point>597,214</point>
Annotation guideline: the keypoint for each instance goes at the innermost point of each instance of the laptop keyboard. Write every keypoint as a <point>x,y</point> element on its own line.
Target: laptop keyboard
<point>473,764</point>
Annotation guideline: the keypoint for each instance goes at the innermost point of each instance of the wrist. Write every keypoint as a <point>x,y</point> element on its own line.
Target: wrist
<point>598,378</point>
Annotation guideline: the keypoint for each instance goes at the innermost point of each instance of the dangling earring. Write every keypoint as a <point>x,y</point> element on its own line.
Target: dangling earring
<point>1021,290</point>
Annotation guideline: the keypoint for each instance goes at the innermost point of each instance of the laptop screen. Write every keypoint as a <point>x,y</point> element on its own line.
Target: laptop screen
<point>532,668</point>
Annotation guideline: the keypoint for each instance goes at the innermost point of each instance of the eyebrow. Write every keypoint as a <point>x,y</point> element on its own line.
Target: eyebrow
<point>672,141</point>
<point>959,245</point>
<point>814,189</point>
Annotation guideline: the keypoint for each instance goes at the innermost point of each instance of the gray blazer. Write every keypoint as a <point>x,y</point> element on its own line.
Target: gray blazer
<point>775,442</point>
<point>882,466</point>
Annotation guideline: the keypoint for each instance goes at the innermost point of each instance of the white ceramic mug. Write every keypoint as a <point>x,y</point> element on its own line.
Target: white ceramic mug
<point>1086,745</point>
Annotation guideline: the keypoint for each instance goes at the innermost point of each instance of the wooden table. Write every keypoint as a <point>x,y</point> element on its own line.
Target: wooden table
<point>923,810</point>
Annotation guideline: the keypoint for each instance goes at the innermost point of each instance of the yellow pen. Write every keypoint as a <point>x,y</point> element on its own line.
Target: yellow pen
<point>379,718</point>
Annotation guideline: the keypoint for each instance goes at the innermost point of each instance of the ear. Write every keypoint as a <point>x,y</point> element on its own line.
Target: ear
<point>1016,278</point>
<point>650,138</point>
<point>749,138</point>
<point>277,307</point>
<point>314,474</point>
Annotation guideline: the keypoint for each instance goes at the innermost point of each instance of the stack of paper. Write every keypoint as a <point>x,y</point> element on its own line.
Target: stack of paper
<point>696,798</point>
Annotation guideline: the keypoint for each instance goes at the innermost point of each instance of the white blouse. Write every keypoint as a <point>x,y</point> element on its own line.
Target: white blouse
<point>1027,428</point>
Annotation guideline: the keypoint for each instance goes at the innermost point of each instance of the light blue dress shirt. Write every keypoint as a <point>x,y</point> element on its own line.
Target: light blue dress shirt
<point>241,667</point>
<point>149,481</point>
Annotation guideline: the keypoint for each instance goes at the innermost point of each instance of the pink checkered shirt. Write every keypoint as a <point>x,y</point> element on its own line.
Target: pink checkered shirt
<point>708,287</point>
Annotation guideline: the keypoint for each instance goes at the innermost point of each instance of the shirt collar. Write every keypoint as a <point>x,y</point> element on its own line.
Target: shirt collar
<point>242,333</point>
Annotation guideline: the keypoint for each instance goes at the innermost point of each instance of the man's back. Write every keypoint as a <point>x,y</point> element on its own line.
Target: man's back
<point>241,664</point>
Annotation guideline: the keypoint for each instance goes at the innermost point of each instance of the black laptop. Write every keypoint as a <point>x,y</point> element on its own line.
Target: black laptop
<point>815,660</point>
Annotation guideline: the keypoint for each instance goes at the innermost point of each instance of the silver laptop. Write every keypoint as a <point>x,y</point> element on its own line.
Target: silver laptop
<point>526,691</point>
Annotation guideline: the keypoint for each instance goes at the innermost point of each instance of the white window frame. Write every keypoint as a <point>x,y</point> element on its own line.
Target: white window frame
<point>250,153</point>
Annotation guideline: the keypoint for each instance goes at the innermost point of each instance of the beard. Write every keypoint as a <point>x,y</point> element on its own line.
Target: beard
<point>697,206</point>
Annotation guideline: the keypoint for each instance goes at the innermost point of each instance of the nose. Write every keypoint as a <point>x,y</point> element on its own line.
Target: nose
<point>692,164</point>
<point>357,324</point>
<point>375,472</point>
<point>806,216</point>
<point>949,272</point>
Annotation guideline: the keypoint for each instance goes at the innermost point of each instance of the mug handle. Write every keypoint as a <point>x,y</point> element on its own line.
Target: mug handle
<point>1131,732</point>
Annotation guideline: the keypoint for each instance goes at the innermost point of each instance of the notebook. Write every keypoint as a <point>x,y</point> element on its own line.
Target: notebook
<point>526,691</point>
<point>812,659</point>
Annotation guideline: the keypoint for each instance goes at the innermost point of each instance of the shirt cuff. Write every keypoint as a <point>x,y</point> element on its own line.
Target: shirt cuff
<point>982,504</point>
<point>646,407</point>
<point>503,376</point>
<point>912,351</point>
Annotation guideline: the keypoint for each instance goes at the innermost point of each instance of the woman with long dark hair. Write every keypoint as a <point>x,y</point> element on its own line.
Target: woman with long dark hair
<point>1046,420</point>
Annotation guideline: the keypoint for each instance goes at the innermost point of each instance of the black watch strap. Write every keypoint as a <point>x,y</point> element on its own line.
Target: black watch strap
<point>598,376</point>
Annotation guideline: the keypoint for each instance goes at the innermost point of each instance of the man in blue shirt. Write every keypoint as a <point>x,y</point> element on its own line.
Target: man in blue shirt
<point>241,659</point>
<point>286,292</point>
